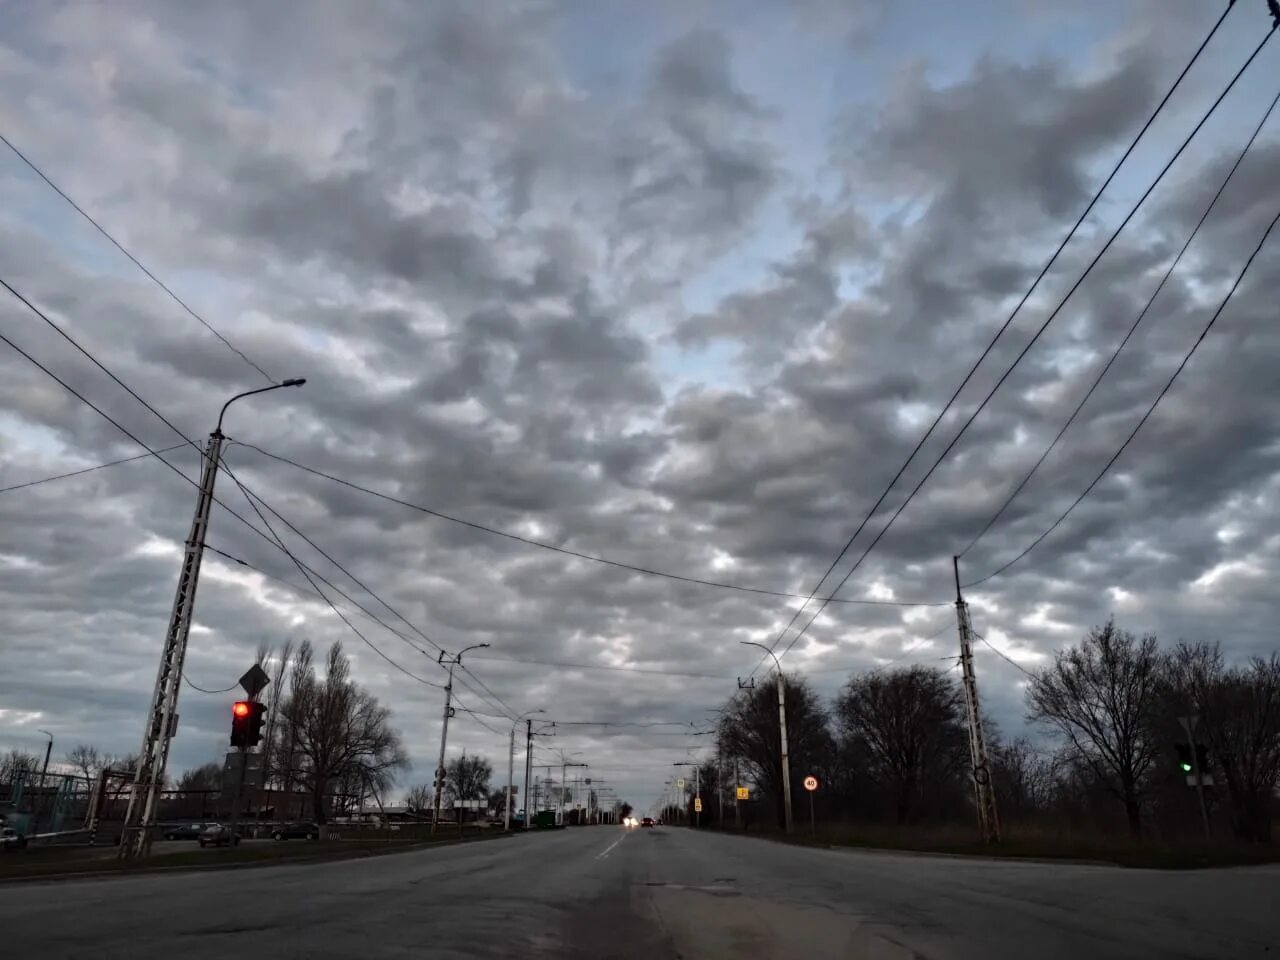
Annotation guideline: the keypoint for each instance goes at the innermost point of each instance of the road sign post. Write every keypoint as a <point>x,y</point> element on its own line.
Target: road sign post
<point>811,785</point>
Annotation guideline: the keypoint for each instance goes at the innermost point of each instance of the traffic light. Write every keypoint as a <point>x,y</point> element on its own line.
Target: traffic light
<point>1185,763</point>
<point>1184,757</point>
<point>247,717</point>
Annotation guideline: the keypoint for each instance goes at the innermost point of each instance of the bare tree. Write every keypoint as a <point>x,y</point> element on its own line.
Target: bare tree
<point>910,722</point>
<point>1239,710</point>
<point>205,777</point>
<point>86,759</point>
<point>1102,698</point>
<point>420,797</point>
<point>748,731</point>
<point>467,778</point>
<point>335,730</point>
<point>15,762</point>
<point>1025,779</point>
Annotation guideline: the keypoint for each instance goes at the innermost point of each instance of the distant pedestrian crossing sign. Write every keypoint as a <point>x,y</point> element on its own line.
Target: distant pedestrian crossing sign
<point>744,793</point>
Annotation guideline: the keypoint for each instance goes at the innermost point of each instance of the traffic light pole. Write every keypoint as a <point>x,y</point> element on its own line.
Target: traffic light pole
<point>235,804</point>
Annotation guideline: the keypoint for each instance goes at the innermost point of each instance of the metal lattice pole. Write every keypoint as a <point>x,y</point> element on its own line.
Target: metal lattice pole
<point>162,716</point>
<point>984,792</point>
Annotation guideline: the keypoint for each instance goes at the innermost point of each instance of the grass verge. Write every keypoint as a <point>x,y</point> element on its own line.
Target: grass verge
<point>1151,855</point>
<point>22,866</point>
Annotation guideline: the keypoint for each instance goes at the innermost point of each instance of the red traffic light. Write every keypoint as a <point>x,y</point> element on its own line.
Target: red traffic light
<point>241,708</point>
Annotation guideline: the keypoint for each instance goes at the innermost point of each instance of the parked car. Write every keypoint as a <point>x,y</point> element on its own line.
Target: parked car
<point>296,829</point>
<point>11,839</point>
<point>185,831</point>
<point>219,835</point>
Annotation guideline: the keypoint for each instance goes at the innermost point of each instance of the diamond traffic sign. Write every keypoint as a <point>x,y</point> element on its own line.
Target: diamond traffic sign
<point>255,680</point>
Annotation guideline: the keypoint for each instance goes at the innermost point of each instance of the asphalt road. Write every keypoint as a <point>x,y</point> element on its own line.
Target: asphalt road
<point>601,892</point>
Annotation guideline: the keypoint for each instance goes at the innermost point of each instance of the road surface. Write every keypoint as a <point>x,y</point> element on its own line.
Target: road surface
<point>598,892</point>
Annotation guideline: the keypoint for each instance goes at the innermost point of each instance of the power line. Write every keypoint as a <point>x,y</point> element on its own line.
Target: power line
<point>303,570</point>
<point>125,430</point>
<point>356,580</point>
<point>136,262</point>
<point>1004,656</point>
<point>1132,329</point>
<point>100,466</point>
<point>990,346</point>
<point>1036,336</point>
<point>543,545</point>
<point>1151,409</point>
<point>609,667</point>
<point>193,686</point>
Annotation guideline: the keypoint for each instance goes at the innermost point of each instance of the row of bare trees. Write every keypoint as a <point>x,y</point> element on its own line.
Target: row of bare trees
<point>893,744</point>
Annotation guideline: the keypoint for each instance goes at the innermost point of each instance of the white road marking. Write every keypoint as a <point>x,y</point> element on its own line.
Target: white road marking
<point>605,853</point>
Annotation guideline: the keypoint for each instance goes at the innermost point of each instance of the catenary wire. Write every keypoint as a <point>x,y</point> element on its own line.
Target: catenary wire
<point>543,545</point>
<point>1151,409</point>
<point>1128,335</point>
<point>991,345</point>
<point>1036,336</point>
<point>100,466</point>
<point>136,262</point>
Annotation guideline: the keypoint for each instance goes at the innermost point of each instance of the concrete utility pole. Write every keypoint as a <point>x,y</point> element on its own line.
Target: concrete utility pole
<point>444,727</point>
<point>511,762</point>
<point>528,761</point>
<point>984,792</point>
<point>737,804</point>
<point>162,715</point>
<point>782,730</point>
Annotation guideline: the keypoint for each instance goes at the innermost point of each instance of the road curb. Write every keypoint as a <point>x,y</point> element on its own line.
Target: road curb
<point>338,855</point>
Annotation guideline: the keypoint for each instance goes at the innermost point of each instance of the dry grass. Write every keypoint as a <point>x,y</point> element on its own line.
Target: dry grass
<point>1036,843</point>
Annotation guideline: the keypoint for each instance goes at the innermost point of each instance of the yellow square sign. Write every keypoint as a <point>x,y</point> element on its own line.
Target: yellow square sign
<point>744,793</point>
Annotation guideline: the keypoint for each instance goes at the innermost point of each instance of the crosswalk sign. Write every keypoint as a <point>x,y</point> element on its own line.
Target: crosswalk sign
<point>744,793</point>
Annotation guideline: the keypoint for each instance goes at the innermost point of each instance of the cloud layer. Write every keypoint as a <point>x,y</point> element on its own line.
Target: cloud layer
<point>681,288</point>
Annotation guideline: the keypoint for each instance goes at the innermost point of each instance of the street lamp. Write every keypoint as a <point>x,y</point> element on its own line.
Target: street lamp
<point>511,763</point>
<point>444,729</point>
<point>782,730</point>
<point>162,716</point>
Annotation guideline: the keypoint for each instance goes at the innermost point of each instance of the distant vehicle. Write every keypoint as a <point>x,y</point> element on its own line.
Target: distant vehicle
<point>185,831</point>
<point>647,822</point>
<point>296,830</point>
<point>11,839</point>
<point>219,835</point>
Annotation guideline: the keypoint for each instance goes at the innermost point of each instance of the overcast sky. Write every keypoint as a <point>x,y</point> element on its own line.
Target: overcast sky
<point>676,284</point>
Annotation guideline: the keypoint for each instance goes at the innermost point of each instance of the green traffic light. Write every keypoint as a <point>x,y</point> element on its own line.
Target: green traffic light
<point>1186,768</point>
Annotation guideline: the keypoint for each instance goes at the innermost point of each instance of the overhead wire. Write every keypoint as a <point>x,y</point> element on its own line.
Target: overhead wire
<point>1036,336</point>
<point>100,466</point>
<point>1132,329</point>
<point>187,681</point>
<point>132,436</point>
<point>134,260</point>
<point>1145,416</point>
<point>1008,659</point>
<point>991,345</point>
<point>543,545</point>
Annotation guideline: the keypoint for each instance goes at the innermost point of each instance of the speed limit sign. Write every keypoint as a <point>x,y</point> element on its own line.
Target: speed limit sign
<point>811,784</point>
